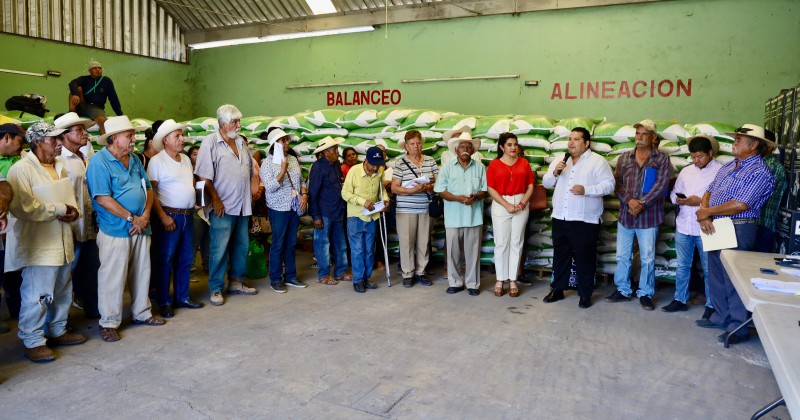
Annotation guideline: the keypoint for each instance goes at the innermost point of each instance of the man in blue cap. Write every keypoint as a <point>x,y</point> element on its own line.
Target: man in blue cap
<point>364,193</point>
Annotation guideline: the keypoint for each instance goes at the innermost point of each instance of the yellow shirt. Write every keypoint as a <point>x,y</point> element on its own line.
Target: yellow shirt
<point>359,188</point>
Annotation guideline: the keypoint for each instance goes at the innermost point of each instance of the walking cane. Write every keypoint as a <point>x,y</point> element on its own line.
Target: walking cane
<point>384,240</point>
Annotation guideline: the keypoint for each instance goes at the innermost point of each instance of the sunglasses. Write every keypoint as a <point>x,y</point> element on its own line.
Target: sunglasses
<point>742,130</point>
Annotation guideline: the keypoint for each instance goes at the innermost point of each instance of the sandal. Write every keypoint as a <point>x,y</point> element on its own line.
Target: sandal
<point>498,290</point>
<point>327,280</point>
<point>109,335</point>
<point>345,277</point>
<point>513,290</point>
<point>150,321</point>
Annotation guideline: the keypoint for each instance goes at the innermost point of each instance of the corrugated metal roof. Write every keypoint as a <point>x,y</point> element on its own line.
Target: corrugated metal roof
<point>199,15</point>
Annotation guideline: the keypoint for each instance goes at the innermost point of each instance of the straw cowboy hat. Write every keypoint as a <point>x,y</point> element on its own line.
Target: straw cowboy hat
<point>327,143</point>
<point>116,125</point>
<point>166,127</point>
<point>754,131</point>
<point>462,134</point>
<point>71,119</point>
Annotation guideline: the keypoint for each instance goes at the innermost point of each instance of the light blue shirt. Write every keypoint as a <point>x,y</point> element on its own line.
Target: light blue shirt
<point>454,179</point>
<point>106,175</point>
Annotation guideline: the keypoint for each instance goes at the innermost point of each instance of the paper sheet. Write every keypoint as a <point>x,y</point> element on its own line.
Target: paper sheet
<point>200,194</point>
<point>59,192</point>
<point>277,154</point>
<point>378,207</point>
<point>412,183</point>
<point>790,287</point>
<point>791,271</point>
<point>724,236</point>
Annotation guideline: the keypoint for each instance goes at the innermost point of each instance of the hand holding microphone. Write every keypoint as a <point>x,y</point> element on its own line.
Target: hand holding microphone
<point>561,165</point>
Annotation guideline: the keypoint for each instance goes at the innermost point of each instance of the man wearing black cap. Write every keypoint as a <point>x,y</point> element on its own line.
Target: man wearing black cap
<point>363,190</point>
<point>11,139</point>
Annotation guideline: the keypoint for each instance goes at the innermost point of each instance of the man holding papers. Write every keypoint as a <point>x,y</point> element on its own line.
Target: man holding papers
<point>643,176</point>
<point>739,190</point>
<point>362,189</point>
<point>40,243</point>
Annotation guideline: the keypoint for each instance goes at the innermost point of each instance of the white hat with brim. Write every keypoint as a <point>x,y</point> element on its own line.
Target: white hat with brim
<point>714,142</point>
<point>453,142</point>
<point>648,125</point>
<point>327,143</point>
<point>276,135</point>
<point>71,119</point>
<point>116,125</point>
<point>164,129</point>
<point>754,131</point>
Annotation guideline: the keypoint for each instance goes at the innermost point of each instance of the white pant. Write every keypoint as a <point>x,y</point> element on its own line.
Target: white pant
<point>509,236</point>
<point>121,260</point>
<point>470,253</point>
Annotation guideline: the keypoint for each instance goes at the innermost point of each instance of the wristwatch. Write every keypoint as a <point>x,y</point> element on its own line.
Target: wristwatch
<point>129,218</point>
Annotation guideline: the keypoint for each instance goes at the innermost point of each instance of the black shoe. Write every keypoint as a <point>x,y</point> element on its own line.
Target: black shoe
<point>706,323</point>
<point>523,279</point>
<point>647,303</point>
<point>734,338</point>
<point>453,290</point>
<point>617,297</point>
<point>675,306</point>
<point>188,303</point>
<point>359,287</point>
<point>421,279</point>
<point>408,282</point>
<point>584,303</point>
<point>296,283</point>
<point>278,287</point>
<point>473,292</point>
<point>707,313</point>
<point>166,311</point>
<point>370,285</point>
<point>553,296</point>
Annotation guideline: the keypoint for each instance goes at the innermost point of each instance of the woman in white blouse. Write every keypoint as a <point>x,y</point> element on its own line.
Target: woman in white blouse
<point>286,195</point>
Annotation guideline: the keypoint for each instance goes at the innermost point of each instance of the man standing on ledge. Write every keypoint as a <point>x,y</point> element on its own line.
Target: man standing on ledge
<point>88,95</point>
<point>642,179</point>
<point>739,190</point>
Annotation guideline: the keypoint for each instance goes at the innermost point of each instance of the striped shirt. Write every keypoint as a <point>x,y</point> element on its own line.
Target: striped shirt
<point>630,179</point>
<point>414,203</point>
<point>750,183</point>
<point>769,211</point>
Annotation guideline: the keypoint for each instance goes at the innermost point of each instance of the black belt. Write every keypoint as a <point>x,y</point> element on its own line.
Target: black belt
<point>177,211</point>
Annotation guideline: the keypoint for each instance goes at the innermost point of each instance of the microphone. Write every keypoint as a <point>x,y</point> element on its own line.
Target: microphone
<point>558,172</point>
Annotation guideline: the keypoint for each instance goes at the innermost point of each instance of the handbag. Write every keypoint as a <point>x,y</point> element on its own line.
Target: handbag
<point>435,203</point>
<point>255,264</point>
<point>538,198</point>
<point>295,205</point>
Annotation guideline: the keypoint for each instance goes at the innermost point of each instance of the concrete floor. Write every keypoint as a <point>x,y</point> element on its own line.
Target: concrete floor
<point>326,352</point>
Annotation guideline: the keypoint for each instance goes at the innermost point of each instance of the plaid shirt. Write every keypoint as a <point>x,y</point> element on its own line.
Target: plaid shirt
<point>630,177</point>
<point>750,183</point>
<point>769,212</point>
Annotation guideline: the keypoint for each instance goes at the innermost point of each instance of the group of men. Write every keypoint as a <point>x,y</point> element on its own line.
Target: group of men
<point>71,215</point>
<point>703,191</point>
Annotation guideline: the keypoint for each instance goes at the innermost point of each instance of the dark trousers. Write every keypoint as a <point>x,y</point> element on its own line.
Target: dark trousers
<point>729,311</point>
<point>84,276</point>
<point>11,283</point>
<point>175,259</point>
<point>575,240</point>
<point>765,240</point>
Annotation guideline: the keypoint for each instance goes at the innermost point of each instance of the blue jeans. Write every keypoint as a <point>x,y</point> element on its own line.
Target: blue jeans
<point>647,254</point>
<point>684,246</point>
<point>362,247</point>
<point>284,238</point>
<point>46,296</point>
<point>729,311</point>
<point>229,238</point>
<point>332,232</point>
<point>175,251</point>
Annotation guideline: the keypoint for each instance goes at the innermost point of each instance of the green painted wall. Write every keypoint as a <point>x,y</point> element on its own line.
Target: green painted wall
<point>146,87</point>
<point>737,53</point>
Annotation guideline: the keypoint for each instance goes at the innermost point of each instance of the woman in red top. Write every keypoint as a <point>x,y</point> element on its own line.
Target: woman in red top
<point>350,159</point>
<point>510,180</point>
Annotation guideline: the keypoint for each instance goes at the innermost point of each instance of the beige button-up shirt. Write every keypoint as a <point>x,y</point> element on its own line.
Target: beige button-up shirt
<point>83,228</point>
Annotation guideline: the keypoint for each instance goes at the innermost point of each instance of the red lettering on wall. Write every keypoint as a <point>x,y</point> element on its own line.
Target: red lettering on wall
<point>395,101</point>
<point>661,91</point>
<point>687,89</point>
<point>567,95</point>
<point>636,92</point>
<point>330,98</point>
<point>652,87</point>
<point>608,90</point>
<point>364,97</point>
<point>624,90</point>
<point>592,89</point>
<point>556,92</point>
